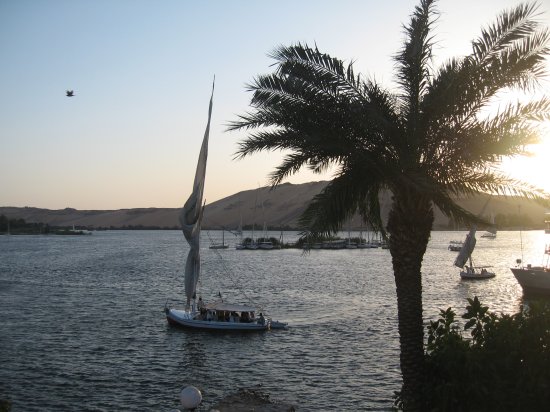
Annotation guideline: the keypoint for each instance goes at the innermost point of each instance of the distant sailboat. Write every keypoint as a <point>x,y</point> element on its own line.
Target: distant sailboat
<point>349,243</point>
<point>465,255</point>
<point>265,243</point>
<point>240,245</point>
<point>252,244</point>
<point>220,245</point>
<point>491,232</point>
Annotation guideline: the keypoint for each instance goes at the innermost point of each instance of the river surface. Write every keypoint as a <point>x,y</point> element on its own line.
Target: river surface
<point>82,324</point>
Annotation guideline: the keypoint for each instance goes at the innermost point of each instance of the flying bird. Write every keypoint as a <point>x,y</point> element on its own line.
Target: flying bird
<point>70,93</point>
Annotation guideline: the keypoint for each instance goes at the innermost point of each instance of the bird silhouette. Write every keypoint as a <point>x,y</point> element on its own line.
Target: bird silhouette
<point>70,93</point>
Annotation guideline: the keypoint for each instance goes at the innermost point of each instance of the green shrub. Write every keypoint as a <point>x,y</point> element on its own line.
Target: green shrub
<point>503,365</point>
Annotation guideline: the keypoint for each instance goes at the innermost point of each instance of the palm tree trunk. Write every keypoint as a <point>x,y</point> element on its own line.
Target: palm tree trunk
<point>409,225</point>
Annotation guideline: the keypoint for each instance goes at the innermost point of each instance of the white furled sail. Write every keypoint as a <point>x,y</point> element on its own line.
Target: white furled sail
<point>191,216</point>
<point>467,248</point>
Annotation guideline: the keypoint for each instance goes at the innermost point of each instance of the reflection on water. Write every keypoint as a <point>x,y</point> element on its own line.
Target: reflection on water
<point>82,321</point>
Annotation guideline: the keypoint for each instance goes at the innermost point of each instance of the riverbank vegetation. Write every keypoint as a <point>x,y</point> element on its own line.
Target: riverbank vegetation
<point>21,227</point>
<point>494,362</point>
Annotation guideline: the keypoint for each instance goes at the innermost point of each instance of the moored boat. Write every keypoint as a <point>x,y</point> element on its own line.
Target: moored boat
<point>220,245</point>
<point>534,279</point>
<point>455,245</point>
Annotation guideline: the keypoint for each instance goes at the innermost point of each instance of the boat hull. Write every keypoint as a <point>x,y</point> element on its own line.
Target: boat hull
<point>186,319</point>
<point>533,279</point>
<point>475,276</point>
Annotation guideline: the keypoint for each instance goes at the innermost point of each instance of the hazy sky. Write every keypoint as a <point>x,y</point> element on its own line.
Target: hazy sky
<point>142,73</point>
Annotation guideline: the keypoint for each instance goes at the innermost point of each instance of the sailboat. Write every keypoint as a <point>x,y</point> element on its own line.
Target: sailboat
<point>218,315</point>
<point>491,232</point>
<point>265,243</point>
<point>465,255</point>
<point>534,279</point>
<point>240,245</point>
<point>252,244</point>
<point>220,245</point>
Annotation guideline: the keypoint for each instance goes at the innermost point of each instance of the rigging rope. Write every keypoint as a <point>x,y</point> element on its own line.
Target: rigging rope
<point>232,278</point>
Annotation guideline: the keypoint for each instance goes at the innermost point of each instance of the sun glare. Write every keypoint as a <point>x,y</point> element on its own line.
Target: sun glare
<point>533,170</point>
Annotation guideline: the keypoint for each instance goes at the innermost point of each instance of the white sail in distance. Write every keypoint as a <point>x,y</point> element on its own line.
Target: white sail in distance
<point>467,248</point>
<point>191,216</point>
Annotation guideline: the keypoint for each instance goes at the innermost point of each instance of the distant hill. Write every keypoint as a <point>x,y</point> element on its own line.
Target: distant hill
<point>276,208</point>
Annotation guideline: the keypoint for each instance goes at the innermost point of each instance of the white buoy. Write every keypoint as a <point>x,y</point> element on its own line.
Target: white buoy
<point>190,397</point>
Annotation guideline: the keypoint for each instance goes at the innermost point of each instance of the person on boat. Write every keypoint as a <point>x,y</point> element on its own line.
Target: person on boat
<point>200,304</point>
<point>483,271</point>
<point>261,319</point>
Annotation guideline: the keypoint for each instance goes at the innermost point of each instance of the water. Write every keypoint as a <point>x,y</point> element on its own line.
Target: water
<point>82,326</point>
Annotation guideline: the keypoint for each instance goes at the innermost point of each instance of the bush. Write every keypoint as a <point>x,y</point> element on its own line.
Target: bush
<point>504,365</point>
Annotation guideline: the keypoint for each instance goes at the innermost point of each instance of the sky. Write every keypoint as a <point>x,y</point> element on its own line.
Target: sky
<point>142,70</point>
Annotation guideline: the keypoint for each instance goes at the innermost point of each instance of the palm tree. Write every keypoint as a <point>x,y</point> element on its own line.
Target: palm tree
<point>428,144</point>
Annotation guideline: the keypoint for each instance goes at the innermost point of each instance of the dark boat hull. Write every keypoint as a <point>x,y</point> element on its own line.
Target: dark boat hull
<point>535,280</point>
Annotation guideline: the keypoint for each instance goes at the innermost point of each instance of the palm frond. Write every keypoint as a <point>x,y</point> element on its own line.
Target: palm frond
<point>317,70</point>
<point>509,27</point>
<point>450,208</point>
<point>510,55</point>
<point>340,199</point>
<point>274,90</point>
<point>455,151</point>
<point>413,60</point>
<point>293,162</point>
<point>495,183</point>
<point>523,63</point>
<point>267,140</point>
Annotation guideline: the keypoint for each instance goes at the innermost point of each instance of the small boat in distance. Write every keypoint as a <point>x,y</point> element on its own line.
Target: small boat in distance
<point>220,245</point>
<point>465,255</point>
<point>455,245</point>
<point>265,243</point>
<point>534,279</point>
<point>491,232</point>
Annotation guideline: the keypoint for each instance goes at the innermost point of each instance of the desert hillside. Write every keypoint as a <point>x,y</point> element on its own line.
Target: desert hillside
<point>276,208</point>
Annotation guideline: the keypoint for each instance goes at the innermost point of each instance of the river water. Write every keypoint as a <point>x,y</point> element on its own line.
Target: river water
<point>82,324</point>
